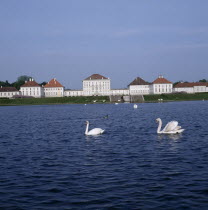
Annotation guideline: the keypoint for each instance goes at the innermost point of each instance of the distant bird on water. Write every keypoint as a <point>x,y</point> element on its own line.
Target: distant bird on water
<point>106,116</point>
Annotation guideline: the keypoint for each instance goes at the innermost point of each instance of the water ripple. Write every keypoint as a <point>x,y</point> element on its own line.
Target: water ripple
<point>47,162</point>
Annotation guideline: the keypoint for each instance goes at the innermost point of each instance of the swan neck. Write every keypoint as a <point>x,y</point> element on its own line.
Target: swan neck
<point>159,126</point>
<point>87,127</point>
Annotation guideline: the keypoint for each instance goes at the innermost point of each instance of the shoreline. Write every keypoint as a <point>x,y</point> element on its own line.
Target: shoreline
<point>71,103</point>
<point>163,98</point>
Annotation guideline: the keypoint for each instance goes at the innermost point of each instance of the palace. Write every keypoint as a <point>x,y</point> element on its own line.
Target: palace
<point>98,85</point>
<point>191,87</point>
<point>8,92</point>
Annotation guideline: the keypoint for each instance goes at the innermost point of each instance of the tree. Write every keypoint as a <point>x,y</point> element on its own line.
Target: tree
<point>5,84</point>
<point>203,80</point>
<point>21,81</point>
<point>177,82</point>
<point>43,83</point>
<point>23,78</point>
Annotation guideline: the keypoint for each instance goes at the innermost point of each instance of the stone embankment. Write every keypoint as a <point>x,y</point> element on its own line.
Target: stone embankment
<point>128,99</point>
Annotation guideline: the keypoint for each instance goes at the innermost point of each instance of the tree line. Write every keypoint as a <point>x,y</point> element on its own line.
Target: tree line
<point>201,80</point>
<point>18,83</point>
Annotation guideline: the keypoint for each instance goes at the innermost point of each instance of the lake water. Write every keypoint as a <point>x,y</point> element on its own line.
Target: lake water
<point>46,161</point>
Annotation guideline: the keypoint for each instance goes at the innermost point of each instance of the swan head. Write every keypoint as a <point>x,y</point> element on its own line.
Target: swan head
<point>158,120</point>
<point>87,122</point>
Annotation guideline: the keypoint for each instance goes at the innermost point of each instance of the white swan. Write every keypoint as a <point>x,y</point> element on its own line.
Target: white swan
<point>171,128</point>
<point>135,106</point>
<point>94,131</point>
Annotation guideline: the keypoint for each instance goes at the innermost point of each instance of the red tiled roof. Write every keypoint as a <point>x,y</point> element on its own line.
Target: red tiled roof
<point>95,76</point>
<point>139,81</point>
<point>8,89</point>
<point>53,83</point>
<point>190,84</point>
<point>161,80</point>
<point>31,84</point>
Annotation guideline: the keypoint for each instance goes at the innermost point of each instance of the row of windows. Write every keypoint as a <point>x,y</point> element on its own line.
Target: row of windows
<point>46,89</point>
<point>119,93</point>
<point>74,94</point>
<point>89,92</point>
<point>91,83</point>
<point>52,94</point>
<point>8,94</point>
<point>96,88</point>
<point>164,85</point>
<point>33,88</point>
<point>52,89</point>
<point>139,91</point>
<point>163,90</point>
<point>30,93</point>
<point>139,87</point>
<point>200,88</point>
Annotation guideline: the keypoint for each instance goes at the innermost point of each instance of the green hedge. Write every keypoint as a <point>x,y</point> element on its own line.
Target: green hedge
<point>63,100</point>
<point>176,97</point>
<point>99,99</point>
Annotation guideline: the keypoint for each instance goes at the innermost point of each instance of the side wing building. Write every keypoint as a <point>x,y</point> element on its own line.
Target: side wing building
<point>54,89</point>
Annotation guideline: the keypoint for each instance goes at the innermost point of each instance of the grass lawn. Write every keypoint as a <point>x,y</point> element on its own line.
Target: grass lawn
<point>63,100</point>
<point>176,97</point>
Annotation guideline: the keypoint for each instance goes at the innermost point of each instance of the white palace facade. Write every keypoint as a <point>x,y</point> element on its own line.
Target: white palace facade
<point>139,87</point>
<point>98,85</point>
<point>32,89</point>
<point>161,86</point>
<point>54,89</point>
<point>94,85</point>
<point>8,92</point>
<point>191,87</point>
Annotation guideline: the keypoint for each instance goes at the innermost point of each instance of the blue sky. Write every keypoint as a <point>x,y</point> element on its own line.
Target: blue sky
<point>120,39</point>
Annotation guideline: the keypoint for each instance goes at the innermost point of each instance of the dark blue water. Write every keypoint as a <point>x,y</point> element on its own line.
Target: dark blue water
<point>46,161</point>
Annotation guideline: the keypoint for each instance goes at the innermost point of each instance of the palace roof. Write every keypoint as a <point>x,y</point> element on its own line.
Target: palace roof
<point>8,89</point>
<point>95,76</point>
<point>190,84</point>
<point>53,83</point>
<point>161,80</point>
<point>139,81</point>
<point>31,83</point>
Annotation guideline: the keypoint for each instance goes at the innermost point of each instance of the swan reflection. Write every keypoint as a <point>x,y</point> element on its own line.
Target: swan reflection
<point>174,137</point>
